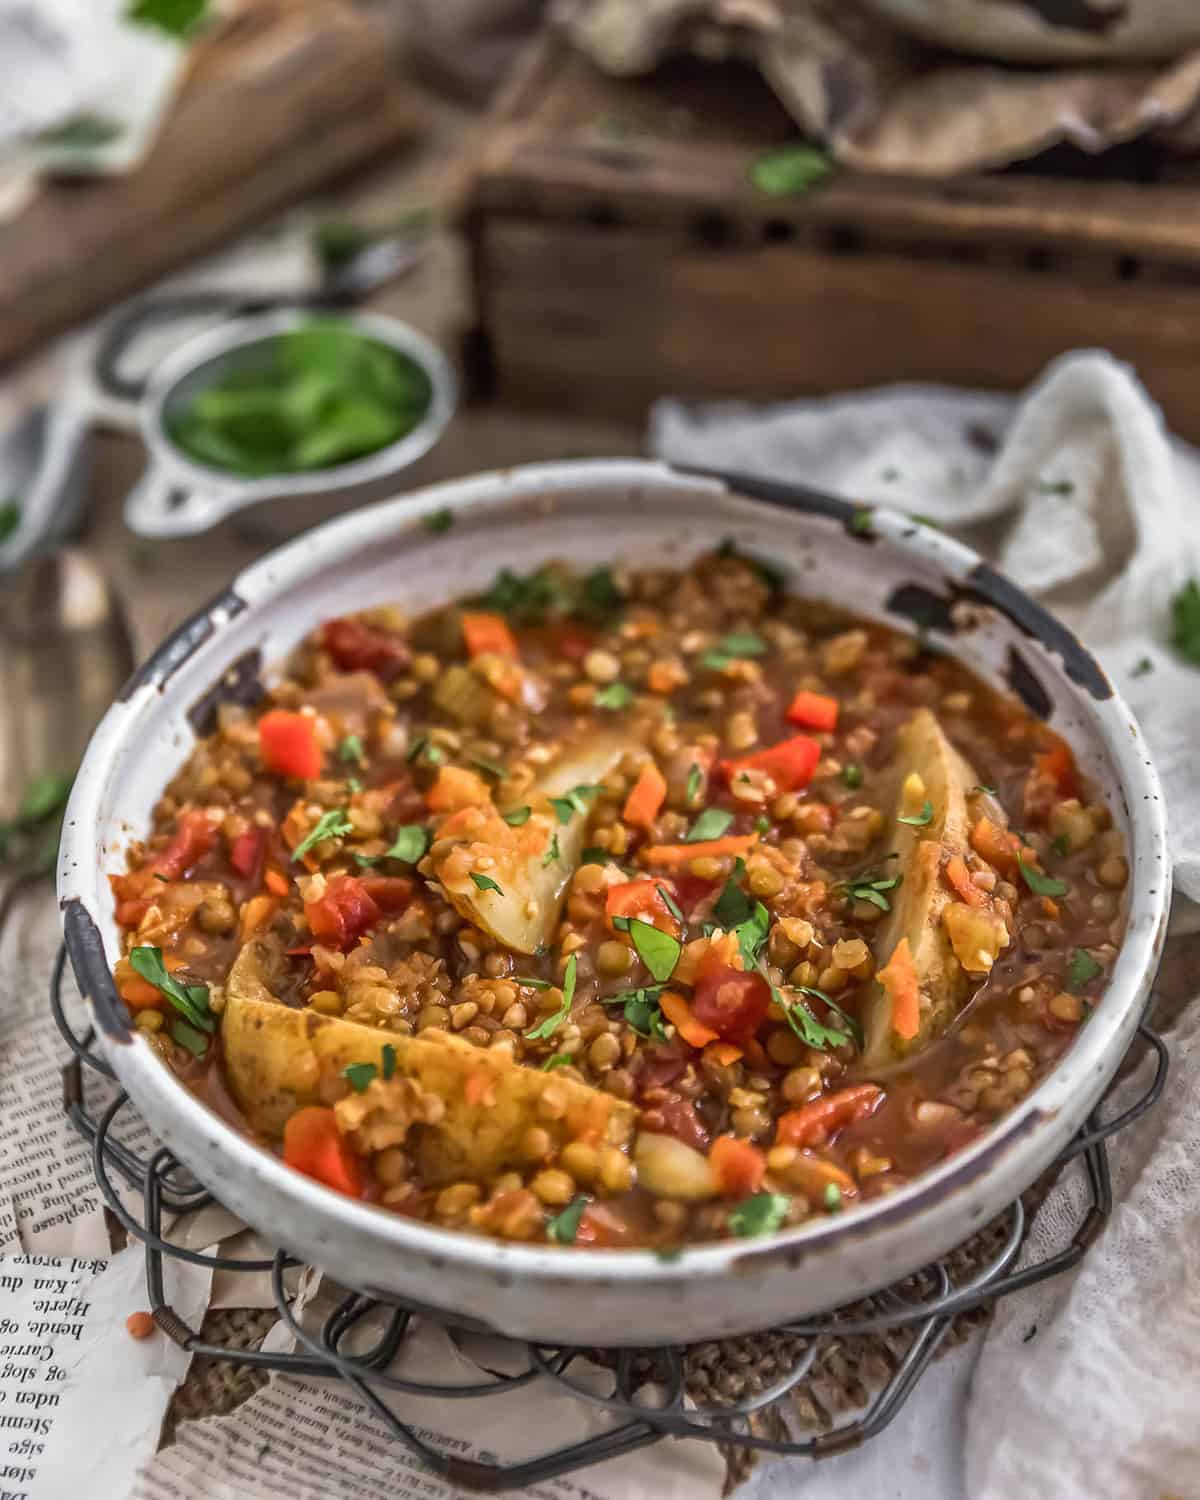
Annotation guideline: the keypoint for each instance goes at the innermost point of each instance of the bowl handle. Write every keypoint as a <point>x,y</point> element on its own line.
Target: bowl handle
<point>159,506</point>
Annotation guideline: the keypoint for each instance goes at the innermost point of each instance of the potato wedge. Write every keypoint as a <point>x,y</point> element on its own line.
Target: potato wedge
<point>532,882</point>
<point>933,771</point>
<point>278,1059</point>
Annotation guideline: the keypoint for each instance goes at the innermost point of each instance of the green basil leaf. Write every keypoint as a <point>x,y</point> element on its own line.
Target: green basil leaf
<point>359,1075</point>
<point>1039,884</point>
<point>555,1019</point>
<point>485,883</point>
<point>733,905</point>
<point>711,824</point>
<point>695,783</point>
<point>191,1001</point>
<point>669,903</point>
<point>563,1227</point>
<point>517,817</point>
<point>574,801</point>
<point>1083,968</point>
<point>350,750</point>
<point>659,951</point>
<point>552,854</point>
<point>410,844</point>
<point>189,1038</point>
<point>752,933</point>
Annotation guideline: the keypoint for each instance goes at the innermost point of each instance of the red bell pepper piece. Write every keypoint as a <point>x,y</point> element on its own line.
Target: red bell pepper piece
<point>813,711</point>
<point>728,1001</point>
<point>246,852</point>
<point>342,914</point>
<point>790,764</point>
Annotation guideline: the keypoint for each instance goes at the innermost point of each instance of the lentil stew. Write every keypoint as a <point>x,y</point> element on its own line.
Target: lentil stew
<point>635,908</point>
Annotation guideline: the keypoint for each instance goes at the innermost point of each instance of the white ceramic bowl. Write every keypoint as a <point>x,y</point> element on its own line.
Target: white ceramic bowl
<point>589,513</point>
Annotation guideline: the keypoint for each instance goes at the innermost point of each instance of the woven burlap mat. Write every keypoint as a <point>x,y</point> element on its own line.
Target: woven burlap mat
<point>845,1373</point>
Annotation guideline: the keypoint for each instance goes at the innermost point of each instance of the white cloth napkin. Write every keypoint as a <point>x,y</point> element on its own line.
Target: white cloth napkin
<point>1088,1386</point>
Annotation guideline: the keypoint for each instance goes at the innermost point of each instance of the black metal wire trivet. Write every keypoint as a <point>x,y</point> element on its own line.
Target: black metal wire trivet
<point>648,1397</point>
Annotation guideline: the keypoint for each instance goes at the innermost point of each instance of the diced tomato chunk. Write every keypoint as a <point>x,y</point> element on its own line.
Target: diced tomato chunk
<point>640,898</point>
<point>246,852</point>
<point>603,1228</point>
<point>727,1001</point>
<point>813,1123</point>
<point>1057,764</point>
<point>813,711</point>
<point>194,837</point>
<point>313,1145</point>
<point>343,913</point>
<point>288,743</point>
<point>489,635</point>
<point>355,647</point>
<point>738,1166</point>
<point>790,764</point>
<point>390,893</point>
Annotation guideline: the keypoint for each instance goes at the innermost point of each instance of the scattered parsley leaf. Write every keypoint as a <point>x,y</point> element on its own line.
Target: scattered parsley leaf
<point>833,1197</point>
<point>659,951</point>
<point>353,785</point>
<point>734,647</point>
<point>1143,667</point>
<point>870,887</point>
<point>1185,622</point>
<point>915,515</point>
<point>711,824</point>
<point>388,1062</point>
<point>439,521</point>
<point>1061,846</point>
<point>593,856</point>
<point>350,750</point>
<point>761,1214</point>
<point>517,816</point>
<point>489,767</point>
<point>189,1038</point>
<point>733,905</point>
<point>485,883</point>
<point>534,984</point>
<point>176,17</point>
<point>695,782</point>
<point>752,933</point>
<point>563,1227</point>
<point>789,170</point>
<point>424,751</point>
<point>641,1009</point>
<point>559,1060</point>
<point>986,791</point>
<point>802,1021</point>
<point>615,695</point>
<point>862,522</point>
<point>331,825</point>
<point>10,518</point>
<point>852,776</point>
<point>359,1075</point>
<point>1082,969</point>
<point>552,854</point>
<point>921,819</point>
<point>410,843</point>
<point>574,801</point>
<point>555,1019</point>
<point>190,1000</point>
<point>670,903</point>
<point>1039,884</point>
<point>762,824</point>
<point>852,1025</point>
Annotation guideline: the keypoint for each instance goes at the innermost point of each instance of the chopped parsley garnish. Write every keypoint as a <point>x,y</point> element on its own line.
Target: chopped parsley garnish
<point>410,843</point>
<point>331,825</point>
<point>659,951</point>
<point>190,1000</point>
<point>563,1227</point>
<point>555,1019</point>
<point>439,521</point>
<point>733,647</point>
<point>534,984</point>
<point>1185,622</point>
<point>559,1060</point>
<point>388,1061</point>
<point>615,695</point>
<point>752,933</point>
<point>360,1075</point>
<point>670,904</point>
<point>642,1012</point>
<point>489,767</point>
<point>593,856</point>
<point>423,751</point>
<point>546,593</point>
<point>517,816</point>
<point>1083,968</point>
<point>1142,668</point>
<point>189,1038</point>
<point>852,775</point>
<point>870,887</point>
<point>711,824</point>
<point>862,522</point>
<point>733,905</point>
<point>353,785</point>
<point>761,1214</point>
<point>1039,884</point>
<point>1061,846</point>
<point>921,819</point>
<point>10,518</point>
<point>801,1019</point>
<point>787,170</point>
<point>350,750</point>
<point>985,791</point>
<point>833,1197</point>
<point>695,783</point>
<point>574,801</point>
<point>854,1027</point>
<point>485,883</point>
<point>552,855</point>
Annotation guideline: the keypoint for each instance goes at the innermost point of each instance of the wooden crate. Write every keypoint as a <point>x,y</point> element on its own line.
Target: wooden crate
<point>619,252</point>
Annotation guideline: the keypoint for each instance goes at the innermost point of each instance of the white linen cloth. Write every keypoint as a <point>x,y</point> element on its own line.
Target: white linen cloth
<point>1088,1387</point>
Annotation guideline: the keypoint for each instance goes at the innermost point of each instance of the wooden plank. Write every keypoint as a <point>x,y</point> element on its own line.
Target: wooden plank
<point>660,316</point>
<point>244,140</point>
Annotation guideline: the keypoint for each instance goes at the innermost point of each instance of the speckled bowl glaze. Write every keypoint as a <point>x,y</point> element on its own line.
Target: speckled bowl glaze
<point>881,565</point>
